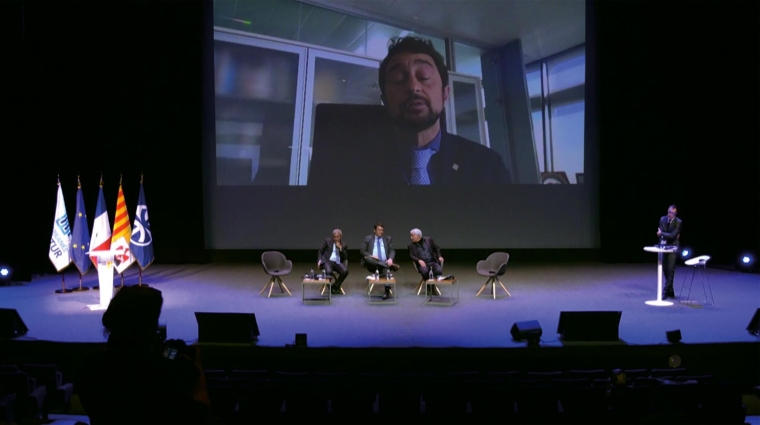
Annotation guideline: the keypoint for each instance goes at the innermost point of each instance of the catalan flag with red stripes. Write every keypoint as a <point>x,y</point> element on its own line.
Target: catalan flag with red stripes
<point>122,232</point>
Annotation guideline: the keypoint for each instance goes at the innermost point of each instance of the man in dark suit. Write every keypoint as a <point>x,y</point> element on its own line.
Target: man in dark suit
<point>669,232</point>
<point>406,130</point>
<point>414,86</point>
<point>427,254</point>
<point>378,253</point>
<point>333,255</point>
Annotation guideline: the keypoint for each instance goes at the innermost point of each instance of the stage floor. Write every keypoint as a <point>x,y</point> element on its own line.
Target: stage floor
<point>539,292</point>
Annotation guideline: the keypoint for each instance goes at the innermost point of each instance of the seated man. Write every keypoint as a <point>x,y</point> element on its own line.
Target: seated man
<point>378,254</point>
<point>427,254</point>
<point>333,255</point>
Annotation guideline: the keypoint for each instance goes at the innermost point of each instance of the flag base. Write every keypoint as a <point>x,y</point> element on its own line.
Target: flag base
<point>96,288</point>
<point>81,289</point>
<point>95,307</point>
<point>63,291</point>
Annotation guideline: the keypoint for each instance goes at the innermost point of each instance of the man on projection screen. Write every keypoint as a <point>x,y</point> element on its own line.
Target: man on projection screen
<point>414,86</point>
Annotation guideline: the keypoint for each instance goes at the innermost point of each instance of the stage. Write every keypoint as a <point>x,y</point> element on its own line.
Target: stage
<point>539,292</point>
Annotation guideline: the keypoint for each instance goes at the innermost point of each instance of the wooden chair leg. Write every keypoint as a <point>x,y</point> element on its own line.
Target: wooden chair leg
<point>282,286</point>
<point>504,287</point>
<point>420,285</point>
<point>484,286</point>
<point>326,286</point>
<point>270,281</point>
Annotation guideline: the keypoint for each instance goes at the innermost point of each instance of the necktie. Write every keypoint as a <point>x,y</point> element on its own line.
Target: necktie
<point>420,159</point>
<point>379,250</point>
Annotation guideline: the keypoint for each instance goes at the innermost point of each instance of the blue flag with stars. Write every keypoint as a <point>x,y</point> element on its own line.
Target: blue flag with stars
<point>141,242</point>
<point>80,241</point>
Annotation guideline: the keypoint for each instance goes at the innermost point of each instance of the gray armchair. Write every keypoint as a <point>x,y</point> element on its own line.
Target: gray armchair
<point>494,266</point>
<point>275,265</point>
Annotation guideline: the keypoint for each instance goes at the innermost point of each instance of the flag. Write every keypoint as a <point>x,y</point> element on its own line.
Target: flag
<point>123,257</point>
<point>60,242</point>
<point>80,243</point>
<point>142,239</point>
<point>101,227</point>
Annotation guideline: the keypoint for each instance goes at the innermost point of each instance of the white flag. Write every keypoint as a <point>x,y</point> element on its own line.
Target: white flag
<point>60,241</point>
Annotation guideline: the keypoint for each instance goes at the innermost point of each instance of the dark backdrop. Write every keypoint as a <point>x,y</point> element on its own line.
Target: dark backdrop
<point>118,87</point>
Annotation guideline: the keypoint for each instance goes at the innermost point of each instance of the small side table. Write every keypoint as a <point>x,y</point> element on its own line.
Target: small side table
<point>381,283</point>
<point>449,296</point>
<point>321,294</point>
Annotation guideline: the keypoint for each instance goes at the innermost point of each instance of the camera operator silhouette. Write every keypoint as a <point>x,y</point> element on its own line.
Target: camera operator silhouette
<point>138,378</point>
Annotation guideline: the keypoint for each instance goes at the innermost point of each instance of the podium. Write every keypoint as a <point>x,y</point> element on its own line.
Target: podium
<point>105,277</point>
<point>659,302</point>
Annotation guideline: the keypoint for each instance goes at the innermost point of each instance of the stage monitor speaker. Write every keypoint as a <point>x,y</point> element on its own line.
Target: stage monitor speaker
<point>589,325</point>
<point>673,336</point>
<point>300,340</point>
<point>11,325</point>
<point>529,330</point>
<point>754,324</point>
<point>236,328</point>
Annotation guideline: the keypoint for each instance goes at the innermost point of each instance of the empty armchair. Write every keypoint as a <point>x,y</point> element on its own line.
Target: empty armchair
<point>494,266</point>
<point>275,265</point>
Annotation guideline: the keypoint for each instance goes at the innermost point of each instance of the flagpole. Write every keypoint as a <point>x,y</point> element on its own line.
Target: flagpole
<point>63,289</point>
<point>81,288</point>
<point>139,282</point>
<point>77,223</point>
<point>141,240</point>
<point>97,287</point>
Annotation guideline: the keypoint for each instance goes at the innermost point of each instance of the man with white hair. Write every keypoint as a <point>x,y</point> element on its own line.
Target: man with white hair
<point>333,256</point>
<point>426,254</point>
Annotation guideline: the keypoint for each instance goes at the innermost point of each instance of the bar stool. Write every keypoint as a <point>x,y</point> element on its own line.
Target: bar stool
<point>699,265</point>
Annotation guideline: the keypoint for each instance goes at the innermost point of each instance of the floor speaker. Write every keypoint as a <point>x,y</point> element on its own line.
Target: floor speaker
<point>300,340</point>
<point>528,330</point>
<point>673,337</point>
<point>11,325</point>
<point>236,328</point>
<point>589,325</point>
<point>754,324</point>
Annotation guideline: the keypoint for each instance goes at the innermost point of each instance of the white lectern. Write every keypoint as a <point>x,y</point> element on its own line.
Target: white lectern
<point>105,277</point>
<point>659,302</point>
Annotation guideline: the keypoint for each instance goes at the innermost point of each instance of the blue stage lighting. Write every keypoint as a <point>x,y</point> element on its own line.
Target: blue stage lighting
<point>746,262</point>
<point>5,275</point>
